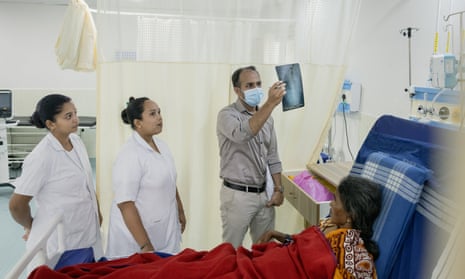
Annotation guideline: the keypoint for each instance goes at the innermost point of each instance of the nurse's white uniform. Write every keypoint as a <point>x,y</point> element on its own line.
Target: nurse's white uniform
<point>148,178</point>
<point>61,182</point>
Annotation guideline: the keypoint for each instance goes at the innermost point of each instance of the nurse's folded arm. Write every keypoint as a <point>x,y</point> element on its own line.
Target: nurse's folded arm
<point>133,221</point>
<point>21,212</point>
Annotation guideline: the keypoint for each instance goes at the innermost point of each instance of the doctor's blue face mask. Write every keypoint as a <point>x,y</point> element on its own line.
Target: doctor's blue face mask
<point>253,97</point>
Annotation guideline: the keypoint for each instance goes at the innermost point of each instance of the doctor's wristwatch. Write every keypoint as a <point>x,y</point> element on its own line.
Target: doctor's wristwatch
<point>279,188</point>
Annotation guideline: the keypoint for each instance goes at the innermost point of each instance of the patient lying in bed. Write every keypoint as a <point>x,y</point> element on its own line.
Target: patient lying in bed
<point>309,256</point>
<point>346,252</point>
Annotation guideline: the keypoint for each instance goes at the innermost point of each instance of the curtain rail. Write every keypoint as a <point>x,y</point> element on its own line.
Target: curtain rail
<point>177,16</point>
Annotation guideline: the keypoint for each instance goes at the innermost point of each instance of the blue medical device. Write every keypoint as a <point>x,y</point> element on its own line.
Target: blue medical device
<point>443,71</point>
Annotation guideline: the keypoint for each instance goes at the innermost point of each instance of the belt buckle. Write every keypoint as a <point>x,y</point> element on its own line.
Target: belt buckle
<point>252,189</point>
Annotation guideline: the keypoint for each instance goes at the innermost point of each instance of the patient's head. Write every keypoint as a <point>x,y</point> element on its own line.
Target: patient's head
<point>361,199</point>
<point>361,202</point>
<point>48,108</point>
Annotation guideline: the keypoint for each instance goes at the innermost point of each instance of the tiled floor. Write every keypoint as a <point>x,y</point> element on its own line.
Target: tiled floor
<point>12,246</point>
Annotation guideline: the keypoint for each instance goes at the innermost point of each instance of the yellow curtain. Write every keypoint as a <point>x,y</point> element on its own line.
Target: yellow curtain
<point>182,56</point>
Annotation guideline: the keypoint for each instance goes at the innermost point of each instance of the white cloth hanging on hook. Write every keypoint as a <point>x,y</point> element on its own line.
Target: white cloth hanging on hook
<point>76,44</point>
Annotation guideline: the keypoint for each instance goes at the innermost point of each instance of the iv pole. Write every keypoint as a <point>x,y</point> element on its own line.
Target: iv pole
<point>407,32</point>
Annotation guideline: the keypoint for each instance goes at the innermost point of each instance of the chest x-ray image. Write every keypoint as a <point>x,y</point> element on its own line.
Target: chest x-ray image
<point>291,75</point>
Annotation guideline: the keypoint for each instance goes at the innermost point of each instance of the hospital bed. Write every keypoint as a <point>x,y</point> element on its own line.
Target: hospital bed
<point>400,154</point>
<point>40,251</point>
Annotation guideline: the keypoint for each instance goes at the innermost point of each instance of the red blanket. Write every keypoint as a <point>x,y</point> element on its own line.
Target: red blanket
<point>309,256</point>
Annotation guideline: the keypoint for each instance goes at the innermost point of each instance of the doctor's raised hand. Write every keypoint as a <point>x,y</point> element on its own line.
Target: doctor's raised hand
<point>58,175</point>
<point>147,213</point>
<point>276,93</point>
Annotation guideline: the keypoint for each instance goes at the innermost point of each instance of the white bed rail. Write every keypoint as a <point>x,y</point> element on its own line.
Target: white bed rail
<point>40,249</point>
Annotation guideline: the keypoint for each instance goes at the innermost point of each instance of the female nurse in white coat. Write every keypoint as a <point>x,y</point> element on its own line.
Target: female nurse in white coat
<point>58,175</point>
<point>147,213</point>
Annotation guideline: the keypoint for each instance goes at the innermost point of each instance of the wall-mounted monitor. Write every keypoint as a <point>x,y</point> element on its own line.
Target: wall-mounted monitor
<point>6,104</point>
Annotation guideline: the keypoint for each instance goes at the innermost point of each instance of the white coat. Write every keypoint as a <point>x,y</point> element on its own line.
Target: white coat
<point>148,178</point>
<point>61,183</point>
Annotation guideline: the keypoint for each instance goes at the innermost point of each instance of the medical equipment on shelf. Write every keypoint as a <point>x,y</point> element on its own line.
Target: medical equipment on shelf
<point>436,105</point>
<point>6,112</point>
<point>443,70</point>
<point>22,137</point>
<point>443,102</point>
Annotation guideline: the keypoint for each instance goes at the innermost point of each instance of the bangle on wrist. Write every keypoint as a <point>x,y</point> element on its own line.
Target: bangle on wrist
<point>287,239</point>
<point>145,245</point>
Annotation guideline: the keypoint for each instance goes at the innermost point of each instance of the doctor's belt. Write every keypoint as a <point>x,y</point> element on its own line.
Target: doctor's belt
<point>245,188</point>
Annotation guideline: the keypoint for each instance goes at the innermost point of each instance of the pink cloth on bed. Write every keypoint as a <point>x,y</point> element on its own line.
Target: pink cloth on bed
<point>309,256</point>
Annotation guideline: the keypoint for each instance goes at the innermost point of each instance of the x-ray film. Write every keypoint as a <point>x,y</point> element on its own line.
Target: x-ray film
<point>290,74</point>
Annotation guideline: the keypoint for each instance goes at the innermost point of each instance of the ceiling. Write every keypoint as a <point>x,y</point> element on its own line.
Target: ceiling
<point>91,3</point>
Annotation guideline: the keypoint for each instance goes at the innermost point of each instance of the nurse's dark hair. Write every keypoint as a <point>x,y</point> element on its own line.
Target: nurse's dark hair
<point>362,199</point>
<point>47,108</point>
<point>133,110</point>
<point>237,73</point>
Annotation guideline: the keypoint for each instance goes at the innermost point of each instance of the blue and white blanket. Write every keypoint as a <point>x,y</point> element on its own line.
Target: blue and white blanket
<point>402,187</point>
<point>402,156</point>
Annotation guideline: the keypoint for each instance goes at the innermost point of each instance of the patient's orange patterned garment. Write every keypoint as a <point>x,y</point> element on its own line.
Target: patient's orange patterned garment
<point>353,259</point>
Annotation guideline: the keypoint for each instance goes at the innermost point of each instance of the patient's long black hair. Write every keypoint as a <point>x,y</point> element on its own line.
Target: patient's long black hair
<point>361,198</point>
